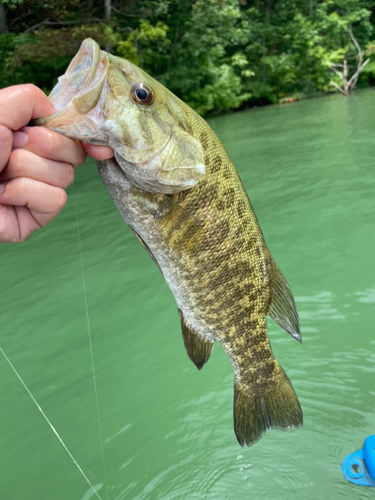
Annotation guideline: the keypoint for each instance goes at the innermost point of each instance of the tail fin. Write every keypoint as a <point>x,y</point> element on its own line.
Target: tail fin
<point>275,407</point>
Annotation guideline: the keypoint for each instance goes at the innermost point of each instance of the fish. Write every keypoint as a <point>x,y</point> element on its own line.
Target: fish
<point>178,191</point>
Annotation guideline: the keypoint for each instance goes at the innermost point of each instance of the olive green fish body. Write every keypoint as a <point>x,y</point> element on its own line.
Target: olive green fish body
<point>186,204</point>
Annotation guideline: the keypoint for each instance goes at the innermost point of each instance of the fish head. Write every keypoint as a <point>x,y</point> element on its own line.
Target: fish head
<point>107,100</point>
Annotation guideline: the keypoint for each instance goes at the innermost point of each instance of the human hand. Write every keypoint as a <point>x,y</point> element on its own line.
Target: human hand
<point>36,164</point>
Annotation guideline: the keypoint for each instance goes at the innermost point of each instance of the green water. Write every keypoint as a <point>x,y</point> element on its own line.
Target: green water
<point>167,428</point>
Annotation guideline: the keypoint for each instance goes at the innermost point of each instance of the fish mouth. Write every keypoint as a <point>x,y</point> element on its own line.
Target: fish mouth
<point>94,105</point>
<point>77,91</point>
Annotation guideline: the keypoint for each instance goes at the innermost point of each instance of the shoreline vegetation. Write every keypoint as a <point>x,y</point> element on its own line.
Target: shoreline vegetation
<point>216,55</point>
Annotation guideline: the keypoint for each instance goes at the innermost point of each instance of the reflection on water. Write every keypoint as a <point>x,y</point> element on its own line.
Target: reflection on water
<point>319,307</point>
<point>167,428</point>
<point>367,295</point>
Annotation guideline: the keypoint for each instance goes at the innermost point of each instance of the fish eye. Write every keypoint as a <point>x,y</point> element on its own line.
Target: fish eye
<point>142,94</point>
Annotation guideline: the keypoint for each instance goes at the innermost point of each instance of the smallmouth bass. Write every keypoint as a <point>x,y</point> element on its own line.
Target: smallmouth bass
<point>177,189</point>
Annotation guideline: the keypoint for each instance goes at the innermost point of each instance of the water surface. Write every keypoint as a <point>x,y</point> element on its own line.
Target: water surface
<point>167,429</point>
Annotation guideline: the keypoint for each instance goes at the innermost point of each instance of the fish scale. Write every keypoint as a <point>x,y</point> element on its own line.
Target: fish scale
<point>198,225</point>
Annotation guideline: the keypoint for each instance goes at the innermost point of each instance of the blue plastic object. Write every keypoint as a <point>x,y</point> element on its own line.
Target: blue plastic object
<point>359,467</point>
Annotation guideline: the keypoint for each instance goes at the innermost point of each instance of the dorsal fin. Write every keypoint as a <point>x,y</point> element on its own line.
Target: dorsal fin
<point>282,308</point>
<point>198,347</point>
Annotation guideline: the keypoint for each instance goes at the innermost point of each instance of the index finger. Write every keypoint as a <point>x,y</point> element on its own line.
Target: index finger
<point>18,105</point>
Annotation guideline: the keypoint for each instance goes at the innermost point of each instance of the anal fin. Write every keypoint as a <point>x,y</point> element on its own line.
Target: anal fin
<point>282,308</point>
<point>198,347</point>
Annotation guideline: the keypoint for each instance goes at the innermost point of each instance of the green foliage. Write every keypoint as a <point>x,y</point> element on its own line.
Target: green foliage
<point>217,55</point>
<point>7,46</point>
<point>41,57</point>
<point>369,69</point>
<point>224,93</point>
<point>211,39</point>
<point>147,45</point>
<point>12,4</point>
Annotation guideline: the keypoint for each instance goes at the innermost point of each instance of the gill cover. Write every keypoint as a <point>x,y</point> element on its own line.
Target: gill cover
<point>153,144</point>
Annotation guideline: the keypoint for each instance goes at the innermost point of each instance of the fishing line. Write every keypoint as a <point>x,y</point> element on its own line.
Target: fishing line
<point>49,423</point>
<point>90,343</point>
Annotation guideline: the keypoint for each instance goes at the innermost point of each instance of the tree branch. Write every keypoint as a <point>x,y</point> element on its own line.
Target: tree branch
<point>338,88</point>
<point>118,11</point>
<point>3,20</point>
<point>356,44</point>
<point>107,10</point>
<point>128,28</point>
<point>62,23</point>
<point>354,78</point>
<point>337,72</point>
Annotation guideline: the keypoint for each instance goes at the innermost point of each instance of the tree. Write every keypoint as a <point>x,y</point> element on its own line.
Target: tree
<point>348,84</point>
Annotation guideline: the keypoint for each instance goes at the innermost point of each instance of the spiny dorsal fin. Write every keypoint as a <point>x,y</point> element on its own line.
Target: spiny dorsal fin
<point>282,308</point>
<point>199,348</point>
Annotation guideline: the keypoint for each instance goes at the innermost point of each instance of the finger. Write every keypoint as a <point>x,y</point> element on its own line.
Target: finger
<point>43,201</point>
<point>26,164</point>
<point>6,138</point>
<point>20,103</point>
<point>16,224</point>
<point>98,152</point>
<point>54,146</point>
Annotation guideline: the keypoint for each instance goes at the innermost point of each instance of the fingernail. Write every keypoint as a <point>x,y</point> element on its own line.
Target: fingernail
<point>19,139</point>
<point>2,187</point>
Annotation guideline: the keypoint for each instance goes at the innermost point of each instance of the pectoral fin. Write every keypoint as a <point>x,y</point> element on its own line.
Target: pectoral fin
<point>282,308</point>
<point>141,241</point>
<point>198,347</point>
